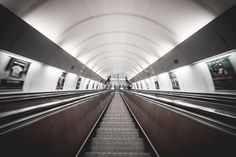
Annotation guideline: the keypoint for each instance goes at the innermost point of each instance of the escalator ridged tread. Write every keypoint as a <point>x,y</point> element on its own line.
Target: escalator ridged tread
<point>117,135</point>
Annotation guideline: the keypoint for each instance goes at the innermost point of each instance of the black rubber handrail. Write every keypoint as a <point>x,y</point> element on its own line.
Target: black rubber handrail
<point>28,96</point>
<point>213,95</point>
<point>229,93</point>
<point>55,91</point>
<point>221,120</point>
<point>215,98</point>
<point>18,118</point>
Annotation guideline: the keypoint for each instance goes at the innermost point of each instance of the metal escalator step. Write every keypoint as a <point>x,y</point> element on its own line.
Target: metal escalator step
<point>128,123</point>
<point>117,115</point>
<point>116,130</point>
<point>117,135</point>
<point>117,125</point>
<point>120,114</point>
<point>117,148</point>
<point>127,135</point>
<point>118,109</point>
<point>116,112</point>
<point>117,141</point>
<point>111,154</point>
<point>117,120</point>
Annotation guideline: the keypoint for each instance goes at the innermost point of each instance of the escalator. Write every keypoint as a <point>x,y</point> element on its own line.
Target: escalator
<point>117,134</point>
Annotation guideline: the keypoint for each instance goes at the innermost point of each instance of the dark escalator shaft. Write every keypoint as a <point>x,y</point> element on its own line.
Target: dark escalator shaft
<point>117,135</point>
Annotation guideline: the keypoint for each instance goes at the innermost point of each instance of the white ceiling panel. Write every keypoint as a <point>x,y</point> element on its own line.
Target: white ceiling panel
<point>117,36</point>
<point>127,47</point>
<point>137,7</point>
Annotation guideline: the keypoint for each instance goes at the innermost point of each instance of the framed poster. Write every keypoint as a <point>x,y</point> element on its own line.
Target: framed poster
<point>87,86</point>
<point>93,85</point>
<point>78,83</point>
<point>157,84</point>
<point>147,85</point>
<point>61,81</point>
<point>14,74</point>
<point>223,74</point>
<point>141,85</point>
<point>174,80</point>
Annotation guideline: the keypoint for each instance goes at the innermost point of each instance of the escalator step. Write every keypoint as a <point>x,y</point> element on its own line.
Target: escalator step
<point>117,141</point>
<point>117,148</point>
<point>110,154</point>
<point>117,135</point>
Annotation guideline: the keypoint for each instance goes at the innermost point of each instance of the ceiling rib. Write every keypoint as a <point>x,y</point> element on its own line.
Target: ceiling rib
<point>102,53</point>
<point>125,65</point>
<point>166,29</point>
<point>118,43</point>
<point>114,65</point>
<point>99,60</point>
<point>117,59</point>
<point>114,32</point>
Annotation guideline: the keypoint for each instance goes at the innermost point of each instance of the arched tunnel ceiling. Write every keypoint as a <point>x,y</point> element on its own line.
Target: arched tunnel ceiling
<point>117,36</point>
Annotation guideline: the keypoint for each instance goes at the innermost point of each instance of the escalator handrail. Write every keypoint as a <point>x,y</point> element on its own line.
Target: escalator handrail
<point>27,115</point>
<point>31,96</point>
<point>32,93</point>
<point>216,98</point>
<point>181,107</point>
<point>198,93</point>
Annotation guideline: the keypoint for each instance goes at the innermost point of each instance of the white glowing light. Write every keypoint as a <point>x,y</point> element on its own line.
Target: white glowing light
<point>42,27</point>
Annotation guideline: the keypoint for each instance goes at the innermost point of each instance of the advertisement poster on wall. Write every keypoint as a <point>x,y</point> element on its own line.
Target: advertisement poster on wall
<point>157,84</point>
<point>223,74</point>
<point>87,86</point>
<point>61,81</point>
<point>174,80</point>
<point>141,85</point>
<point>13,75</point>
<point>147,85</point>
<point>78,83</point>
<point>93,85</point>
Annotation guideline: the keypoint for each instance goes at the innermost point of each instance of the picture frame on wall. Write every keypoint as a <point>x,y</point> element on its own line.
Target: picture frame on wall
<point>14,74</point>
<point>147,85</point>
<point>157,84</point>
<point>174,81</point>
<point>141,85</point>
<point>222,73</point>
<point>93,85</point>
<point>87,86</point>
<point>61,80</point>
<point>78,83</point>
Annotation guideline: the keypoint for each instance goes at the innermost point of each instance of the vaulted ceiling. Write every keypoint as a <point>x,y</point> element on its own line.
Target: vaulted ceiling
<point>117,36</point>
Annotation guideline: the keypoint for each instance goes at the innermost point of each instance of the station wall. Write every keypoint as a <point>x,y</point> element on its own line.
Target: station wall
<point>191,78</point>
<point>41,77</point>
